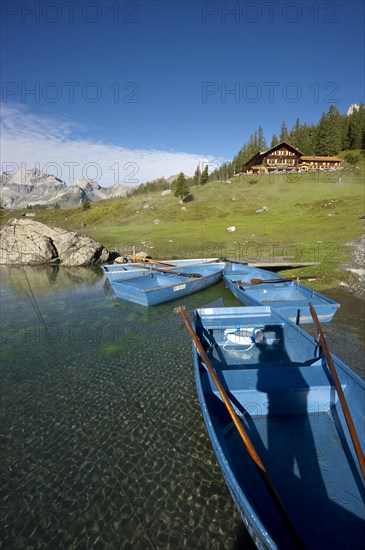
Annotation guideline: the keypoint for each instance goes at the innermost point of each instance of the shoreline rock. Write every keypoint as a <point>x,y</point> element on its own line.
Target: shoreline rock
<point>27,242</point>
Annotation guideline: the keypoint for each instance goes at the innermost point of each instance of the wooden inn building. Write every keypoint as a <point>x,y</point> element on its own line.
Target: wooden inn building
<point>285,157</point>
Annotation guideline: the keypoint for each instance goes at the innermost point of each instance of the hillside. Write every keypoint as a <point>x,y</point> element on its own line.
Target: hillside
<point>310,218</point>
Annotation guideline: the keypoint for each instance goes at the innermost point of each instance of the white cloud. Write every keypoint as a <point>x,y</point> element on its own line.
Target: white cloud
<point>54,146</point>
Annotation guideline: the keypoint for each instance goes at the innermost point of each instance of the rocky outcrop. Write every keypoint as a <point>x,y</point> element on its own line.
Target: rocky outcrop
<point>26,241</point>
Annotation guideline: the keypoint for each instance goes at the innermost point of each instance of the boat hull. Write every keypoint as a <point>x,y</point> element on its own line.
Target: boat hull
<point>283,393</point>
<point>289,297</point>
<point>155,288</point>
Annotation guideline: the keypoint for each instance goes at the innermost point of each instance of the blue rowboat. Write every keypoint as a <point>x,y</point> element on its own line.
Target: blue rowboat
<point>279,384</point>
<point>157,287</point>
<point>115,272</point>
<point>289,297</point>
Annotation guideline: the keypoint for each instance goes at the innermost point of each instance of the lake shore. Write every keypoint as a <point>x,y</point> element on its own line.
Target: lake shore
<point>355,264</point>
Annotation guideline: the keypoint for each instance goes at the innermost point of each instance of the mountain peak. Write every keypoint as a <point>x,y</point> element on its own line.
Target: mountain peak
<point>32,187</point>
<point>85,182</point>
<point>33,176</point>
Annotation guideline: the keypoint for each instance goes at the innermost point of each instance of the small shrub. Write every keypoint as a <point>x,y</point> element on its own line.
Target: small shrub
<point>352,158</point>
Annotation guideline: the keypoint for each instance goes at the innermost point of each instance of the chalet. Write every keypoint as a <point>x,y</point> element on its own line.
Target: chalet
<point>285,157</point>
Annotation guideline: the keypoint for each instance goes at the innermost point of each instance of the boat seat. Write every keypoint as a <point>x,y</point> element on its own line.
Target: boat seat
<point>295,303</point>
<point>297,389</point>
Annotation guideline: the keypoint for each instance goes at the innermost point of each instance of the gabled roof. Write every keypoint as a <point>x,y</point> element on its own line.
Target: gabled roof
<point>281,144</point>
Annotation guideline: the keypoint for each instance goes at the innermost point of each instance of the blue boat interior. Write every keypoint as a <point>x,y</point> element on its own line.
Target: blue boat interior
<point>290,297</point>
<point>204,269</point>
<point>282,390</point>
<point>283,291</point>
<point>155,279</point>
<point>111,268</point>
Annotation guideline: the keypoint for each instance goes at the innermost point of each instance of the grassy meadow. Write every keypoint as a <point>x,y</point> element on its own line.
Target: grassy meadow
<point>310,218</point>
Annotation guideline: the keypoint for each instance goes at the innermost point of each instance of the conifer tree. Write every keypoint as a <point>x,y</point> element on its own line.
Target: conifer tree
<point>181,188</point>
<point>304,140</point>
<point>205,175</point>
<point>261,141</point>
<point>329,133</point>
<point>346,133</point>
<point>239,160</point>
<point>356,128</point>
<point>197,176</point>
<point>295,134</point>
<point>284,134</point>
<point>274,140</point>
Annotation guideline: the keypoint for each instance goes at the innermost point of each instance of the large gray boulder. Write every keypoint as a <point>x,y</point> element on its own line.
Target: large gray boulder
<point>26,241</point>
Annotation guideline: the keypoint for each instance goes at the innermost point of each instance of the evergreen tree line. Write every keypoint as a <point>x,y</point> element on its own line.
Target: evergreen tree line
<point>333,133</point>
<point>161,184</point>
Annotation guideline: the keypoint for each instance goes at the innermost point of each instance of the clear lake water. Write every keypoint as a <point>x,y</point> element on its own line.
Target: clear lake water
<point>103,444</point>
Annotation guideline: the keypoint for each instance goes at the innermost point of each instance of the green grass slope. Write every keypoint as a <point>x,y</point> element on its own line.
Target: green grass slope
<point>310,218</point>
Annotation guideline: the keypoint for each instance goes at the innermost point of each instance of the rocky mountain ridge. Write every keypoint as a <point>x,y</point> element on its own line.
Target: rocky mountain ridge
<point>31,187</point>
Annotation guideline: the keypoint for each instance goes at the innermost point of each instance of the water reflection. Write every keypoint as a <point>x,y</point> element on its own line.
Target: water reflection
<point>45,279</point>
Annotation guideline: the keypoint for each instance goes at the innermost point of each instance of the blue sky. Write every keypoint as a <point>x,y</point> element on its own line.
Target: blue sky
<point>147,88</point>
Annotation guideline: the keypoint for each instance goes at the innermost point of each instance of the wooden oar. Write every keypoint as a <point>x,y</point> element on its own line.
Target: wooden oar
<point>336,380</point>
<point>282,280</point>
<point>150,261</point>
<point>171,270</point>
<point>242,432</point>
